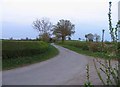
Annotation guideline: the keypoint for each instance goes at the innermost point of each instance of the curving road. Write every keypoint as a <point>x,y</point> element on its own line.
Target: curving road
<point>68,68</point>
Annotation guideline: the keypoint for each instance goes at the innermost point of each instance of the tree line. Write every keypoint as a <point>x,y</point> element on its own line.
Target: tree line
<point>61,30</point>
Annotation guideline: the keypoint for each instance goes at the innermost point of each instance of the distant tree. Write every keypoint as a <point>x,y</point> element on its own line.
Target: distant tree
<point>11,38</point>
<point>97,37</point>
<point>63,28</point>
<point>90,37</point>
<point>21,39</point>
<point>45,37</point>
<point>43,26</point>
<point>27,38</point>
<point>79,38</point>
<point>69,38</point>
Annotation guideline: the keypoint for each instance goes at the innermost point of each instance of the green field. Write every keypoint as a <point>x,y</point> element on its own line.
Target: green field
<point>91,48</point>
<point>21,53</point>
<point>14,49</point>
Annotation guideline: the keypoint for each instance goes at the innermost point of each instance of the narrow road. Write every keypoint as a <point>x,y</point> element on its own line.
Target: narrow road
<point>68,68</point>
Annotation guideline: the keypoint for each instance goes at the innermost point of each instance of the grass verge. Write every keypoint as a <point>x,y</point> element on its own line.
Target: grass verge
<point>22,61</point>
<point>85,52</point>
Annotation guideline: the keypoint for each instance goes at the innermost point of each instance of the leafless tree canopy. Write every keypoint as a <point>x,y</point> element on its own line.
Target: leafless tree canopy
<point>97,37</point>
<point>42,25</point>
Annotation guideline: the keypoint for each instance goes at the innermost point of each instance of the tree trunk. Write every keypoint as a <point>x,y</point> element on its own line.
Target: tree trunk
<point>63,38</point>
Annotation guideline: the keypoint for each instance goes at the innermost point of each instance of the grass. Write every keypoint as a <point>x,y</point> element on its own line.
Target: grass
<point>80,50</point>
<point>22,61</point>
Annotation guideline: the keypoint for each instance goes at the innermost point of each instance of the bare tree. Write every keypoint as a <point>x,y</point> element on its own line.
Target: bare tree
<point>97,37</point>
<point>43,26</point>
<point>63,28</point>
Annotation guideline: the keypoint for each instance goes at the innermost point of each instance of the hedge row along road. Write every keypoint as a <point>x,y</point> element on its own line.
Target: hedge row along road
<point>68,68</point>
<point>15,49</point>
<point>20,53</point>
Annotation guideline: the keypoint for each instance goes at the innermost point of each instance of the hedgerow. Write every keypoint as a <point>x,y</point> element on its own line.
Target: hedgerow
<point>15,49</point>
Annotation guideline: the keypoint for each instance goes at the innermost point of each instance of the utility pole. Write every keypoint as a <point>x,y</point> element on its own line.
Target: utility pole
<point>103,32</point>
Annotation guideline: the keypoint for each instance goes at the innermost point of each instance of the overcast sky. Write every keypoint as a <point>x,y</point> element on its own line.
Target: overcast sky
<point>89,16</point>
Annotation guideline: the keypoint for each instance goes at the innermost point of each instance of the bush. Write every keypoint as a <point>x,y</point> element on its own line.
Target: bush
<point>94,47</point>
<point>82,45</point>
<point>15,49</point>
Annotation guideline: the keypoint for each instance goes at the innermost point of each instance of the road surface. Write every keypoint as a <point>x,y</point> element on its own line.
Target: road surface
<point>67,68</point>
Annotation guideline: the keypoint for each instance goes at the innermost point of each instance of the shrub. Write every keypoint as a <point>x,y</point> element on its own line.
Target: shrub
<point>83,45</point>
<point>14,49</point>
<point>94,47</point>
